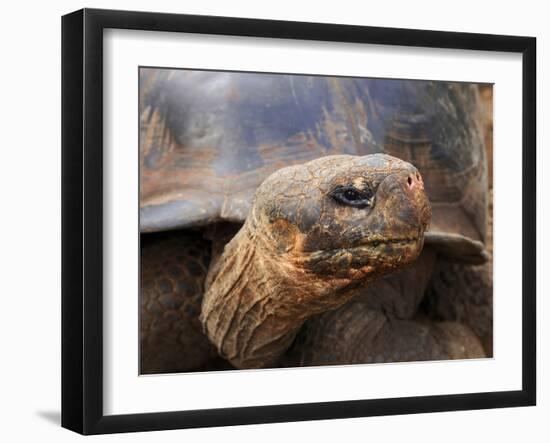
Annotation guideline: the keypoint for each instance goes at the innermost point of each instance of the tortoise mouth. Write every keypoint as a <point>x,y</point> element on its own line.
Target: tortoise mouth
<point>398,241</point>
<point>374,249</point>
<point>375,253</point>
<point>373,243</point>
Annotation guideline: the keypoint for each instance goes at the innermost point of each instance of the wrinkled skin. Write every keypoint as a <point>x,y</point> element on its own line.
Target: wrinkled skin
<point>316,233</point>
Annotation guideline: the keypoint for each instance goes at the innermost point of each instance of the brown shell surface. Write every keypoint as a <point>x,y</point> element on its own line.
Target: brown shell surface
<point>208,139</point>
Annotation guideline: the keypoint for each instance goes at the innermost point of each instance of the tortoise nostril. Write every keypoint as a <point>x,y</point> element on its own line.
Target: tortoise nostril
<point>414,181</point>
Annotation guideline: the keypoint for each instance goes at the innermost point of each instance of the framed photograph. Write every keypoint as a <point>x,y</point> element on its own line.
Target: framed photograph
<point>269,221</point>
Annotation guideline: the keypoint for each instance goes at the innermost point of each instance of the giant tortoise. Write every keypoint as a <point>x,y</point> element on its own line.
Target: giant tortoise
<point>284,224</point>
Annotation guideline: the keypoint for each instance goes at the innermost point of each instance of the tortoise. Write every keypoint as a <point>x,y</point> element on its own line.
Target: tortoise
<point>283,222</point>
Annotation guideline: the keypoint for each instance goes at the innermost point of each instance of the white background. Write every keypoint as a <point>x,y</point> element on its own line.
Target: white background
<point>30,221</point>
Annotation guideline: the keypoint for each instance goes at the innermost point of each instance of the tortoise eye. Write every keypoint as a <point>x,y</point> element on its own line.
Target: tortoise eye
<point>351,196</point>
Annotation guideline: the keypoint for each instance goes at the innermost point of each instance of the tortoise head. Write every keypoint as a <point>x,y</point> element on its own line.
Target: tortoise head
<point>315,233</point>
<point>344,216</point>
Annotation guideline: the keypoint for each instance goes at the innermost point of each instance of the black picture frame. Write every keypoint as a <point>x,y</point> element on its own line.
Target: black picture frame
<point>82,220</point>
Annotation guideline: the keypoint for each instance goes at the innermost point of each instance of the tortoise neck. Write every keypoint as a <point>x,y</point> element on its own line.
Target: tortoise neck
<point>256,299</point>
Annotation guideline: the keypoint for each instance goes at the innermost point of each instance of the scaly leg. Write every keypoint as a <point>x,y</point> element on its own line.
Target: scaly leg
<point>383,324</point>
<point>351,336</point>
<point>463,293</point>
<point>173,270</point>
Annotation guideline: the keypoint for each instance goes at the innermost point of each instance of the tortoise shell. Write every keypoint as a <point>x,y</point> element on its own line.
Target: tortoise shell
<point>209,138</point>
